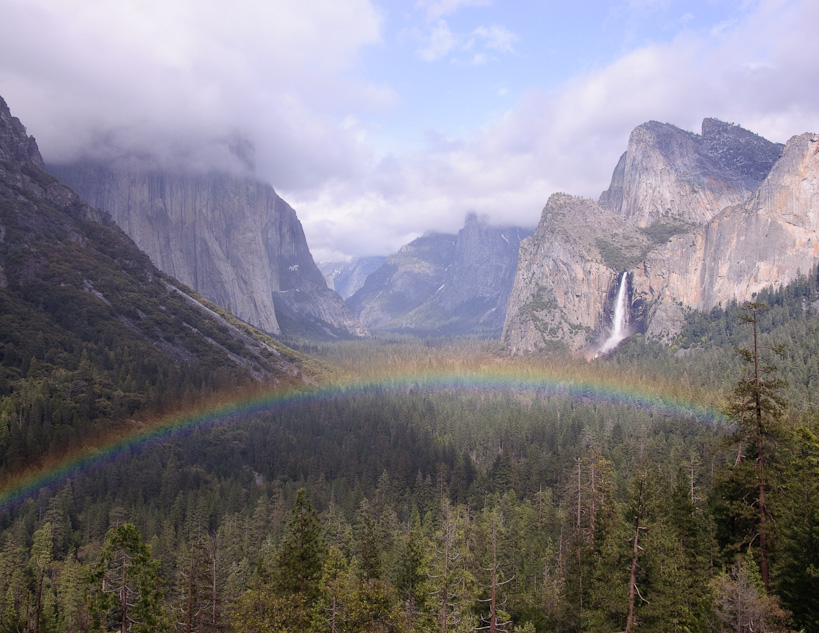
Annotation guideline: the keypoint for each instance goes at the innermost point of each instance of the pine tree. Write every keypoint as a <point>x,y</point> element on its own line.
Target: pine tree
<point>369,548</point>
<point>301,552</point>
<point>795,571</point>
<point>409,573</point>
<point>741,604</point>
<point>73,612</point>
<point>450,582</point>
<point>496,620</point>
<point>757,407</point>
<point>41,557</point>
<point>124,585</point>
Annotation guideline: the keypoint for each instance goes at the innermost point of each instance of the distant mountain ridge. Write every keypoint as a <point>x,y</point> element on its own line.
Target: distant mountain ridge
<point>695,221</point>
<point>346,278</point>
<point>443,284</point>
<point>230,237</point>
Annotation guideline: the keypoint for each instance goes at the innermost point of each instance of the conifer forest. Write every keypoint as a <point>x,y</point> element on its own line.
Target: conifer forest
<point>429,506</point>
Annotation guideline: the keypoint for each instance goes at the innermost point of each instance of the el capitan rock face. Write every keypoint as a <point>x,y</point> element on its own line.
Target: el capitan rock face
<point>442,284</point>
<point>695,220</point>
<point>230,237</point>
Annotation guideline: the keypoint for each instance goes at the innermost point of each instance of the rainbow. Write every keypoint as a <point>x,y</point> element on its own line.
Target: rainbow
<point>246,405</point>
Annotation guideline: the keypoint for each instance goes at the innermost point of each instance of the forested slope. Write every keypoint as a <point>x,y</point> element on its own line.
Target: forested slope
<point>408,509</point>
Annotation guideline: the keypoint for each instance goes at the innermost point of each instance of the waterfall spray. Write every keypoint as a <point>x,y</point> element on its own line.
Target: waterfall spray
<point>618,326</point>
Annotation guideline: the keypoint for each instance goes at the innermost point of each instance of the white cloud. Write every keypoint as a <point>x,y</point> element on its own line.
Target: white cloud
<point>436,9</point>
<point>153,74</point>
<point>497,38</point>
<point>758,73</point>
<point>437,43</point>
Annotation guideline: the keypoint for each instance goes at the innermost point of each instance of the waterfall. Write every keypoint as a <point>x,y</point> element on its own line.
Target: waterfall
<point>618,326</point>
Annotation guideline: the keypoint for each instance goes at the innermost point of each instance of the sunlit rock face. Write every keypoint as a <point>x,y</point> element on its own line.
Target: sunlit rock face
<point>566,274</point>
<point>669,175</point>
<point>766,241</point>
<point>443,284</point>
<point>230,237</point>
<point>696,220</point>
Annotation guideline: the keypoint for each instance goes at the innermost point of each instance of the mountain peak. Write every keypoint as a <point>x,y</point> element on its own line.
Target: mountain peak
<point>672,176</point>
<point>15,144</point>
<point>739,151</point>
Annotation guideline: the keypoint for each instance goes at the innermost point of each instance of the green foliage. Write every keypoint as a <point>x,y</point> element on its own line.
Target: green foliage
<point>741,604</point>
<point>660,232</point>
<point>370,508</point>
<point>620,256</point>
<point>124,584</point>
<point>796,568</point>
<point>301,552</point>
<point>92,334</point>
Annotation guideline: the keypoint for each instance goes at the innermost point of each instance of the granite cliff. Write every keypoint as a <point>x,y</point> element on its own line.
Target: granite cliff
<point>442,284</point>
<point>766,241</point>
<point>230,237</point>
<point>695,220</point>
<point>671,176</point>
<point>567,275</point>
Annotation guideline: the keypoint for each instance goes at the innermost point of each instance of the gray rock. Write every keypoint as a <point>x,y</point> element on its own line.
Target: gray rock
<point>567,275</point>
<point>16,146</point>
<point>230,237</point>
<point>668,175</point>
<point>697,220</point>
<point>767,241</point>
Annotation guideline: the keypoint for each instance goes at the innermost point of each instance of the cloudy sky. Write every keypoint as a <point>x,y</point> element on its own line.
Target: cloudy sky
<point>380,120</point>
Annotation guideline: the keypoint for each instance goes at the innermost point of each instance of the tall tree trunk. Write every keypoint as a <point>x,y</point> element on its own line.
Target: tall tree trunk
<point>764,567</point>
<point>123,599</point>
<point>632,585</point>
<point>189,606</point>
<point>38,606</point>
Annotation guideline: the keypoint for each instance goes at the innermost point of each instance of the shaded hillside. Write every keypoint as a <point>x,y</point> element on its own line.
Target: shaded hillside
<point>90,330</point>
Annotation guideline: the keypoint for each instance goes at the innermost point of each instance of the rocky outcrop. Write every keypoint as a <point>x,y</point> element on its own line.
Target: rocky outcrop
<point>230,237</point>
<point>695,220</point>
<point>444,284</point>
<point>671,176</point>
<point>16,146</point>
<point>567,275</point>
<point>767,241</point>
<point>346,278</point>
